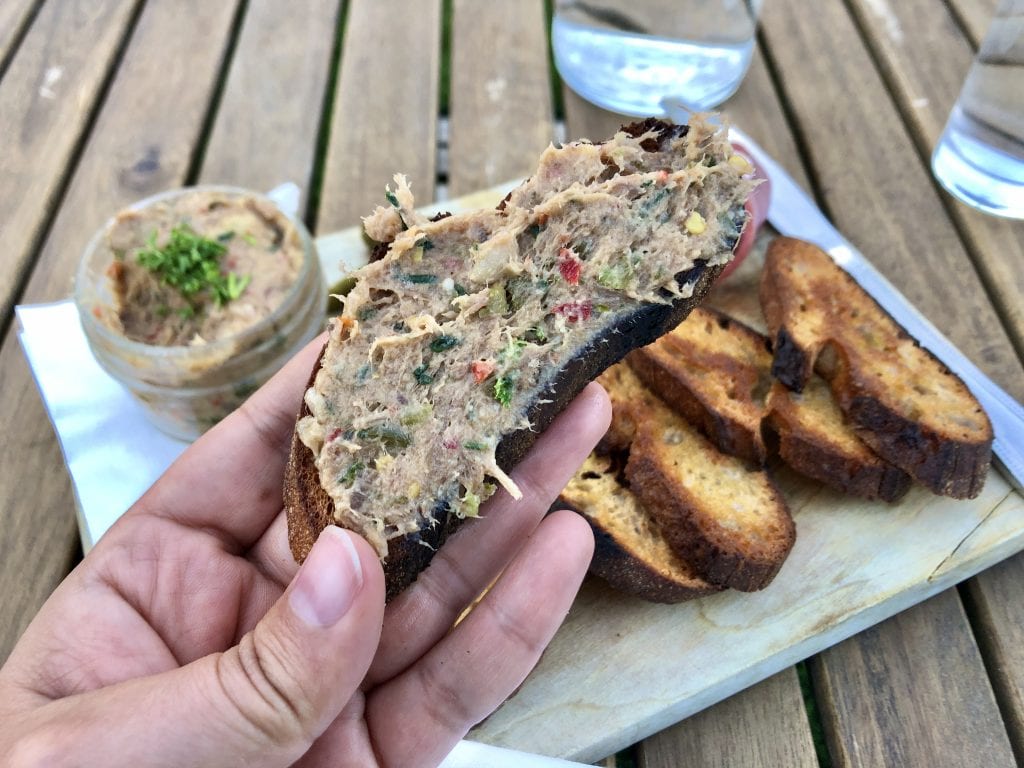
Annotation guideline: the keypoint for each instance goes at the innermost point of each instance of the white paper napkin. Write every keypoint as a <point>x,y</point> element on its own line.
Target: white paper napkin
<point>112,451</point>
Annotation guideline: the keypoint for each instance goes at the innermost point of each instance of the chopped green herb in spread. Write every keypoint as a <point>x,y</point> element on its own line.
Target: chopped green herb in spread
<point>191,264</point>
<point>392,437</point>
<point>421,375</point>
<point>503,390</point>
<point>443,343</point>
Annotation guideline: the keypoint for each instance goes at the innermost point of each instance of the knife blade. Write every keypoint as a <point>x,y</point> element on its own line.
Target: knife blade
<point>794,214</point>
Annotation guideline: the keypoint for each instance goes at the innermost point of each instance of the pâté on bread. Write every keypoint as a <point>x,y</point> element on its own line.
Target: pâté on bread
<point>472,332</point>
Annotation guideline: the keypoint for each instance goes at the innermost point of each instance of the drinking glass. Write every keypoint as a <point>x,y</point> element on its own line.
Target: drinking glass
<point>980,156</point>
<point>634,56</point>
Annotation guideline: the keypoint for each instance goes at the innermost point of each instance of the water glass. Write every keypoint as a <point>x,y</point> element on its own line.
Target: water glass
<point>635,56</point>
<point>980,156</point>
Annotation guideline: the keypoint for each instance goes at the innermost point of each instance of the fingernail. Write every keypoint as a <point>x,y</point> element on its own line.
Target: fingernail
<point>328,581</point>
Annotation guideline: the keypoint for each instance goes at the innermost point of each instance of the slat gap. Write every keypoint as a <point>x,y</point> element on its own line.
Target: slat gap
<point>199,153</point>
<point>323,136</point>
<point>800,140</point>
<point>977,620</point>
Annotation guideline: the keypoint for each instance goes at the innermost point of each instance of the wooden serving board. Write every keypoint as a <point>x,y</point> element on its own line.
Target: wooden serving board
<point>620,669</point>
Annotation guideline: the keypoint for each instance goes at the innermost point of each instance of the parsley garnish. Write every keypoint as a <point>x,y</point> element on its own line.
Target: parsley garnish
<point>191,264</point>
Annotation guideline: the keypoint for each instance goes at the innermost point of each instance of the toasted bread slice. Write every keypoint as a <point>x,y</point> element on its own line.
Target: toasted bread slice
<point>716,372</point>
<point>472,332</point>
<point>903,402</point>
<point>810,434</point>
<point>630,552</point>
<point>726,520</point>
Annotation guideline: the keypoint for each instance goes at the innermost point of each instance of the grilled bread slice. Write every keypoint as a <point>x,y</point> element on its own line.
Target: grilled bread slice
<point>469,335</point>
<point>726,520</point>
<point>716,372</point>
<point>630,552</point>
<point>904,403</point>
<point>809,433</point>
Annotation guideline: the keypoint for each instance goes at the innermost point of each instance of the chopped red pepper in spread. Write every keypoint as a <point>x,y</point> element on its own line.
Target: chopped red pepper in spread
<point>574,311</point>
<point>481,369</point>
<point>569,266</point>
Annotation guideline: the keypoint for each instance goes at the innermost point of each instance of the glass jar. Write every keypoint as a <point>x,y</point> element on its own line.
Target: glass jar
<point>187,389</point>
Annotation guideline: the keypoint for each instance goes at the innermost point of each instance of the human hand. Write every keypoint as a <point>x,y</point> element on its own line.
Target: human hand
<point>188,635</point>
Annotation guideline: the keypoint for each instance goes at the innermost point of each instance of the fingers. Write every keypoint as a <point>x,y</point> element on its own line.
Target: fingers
<point>261,703</point>
<point>229,481</point>
<point>469,673</point>
<point>481,549</point>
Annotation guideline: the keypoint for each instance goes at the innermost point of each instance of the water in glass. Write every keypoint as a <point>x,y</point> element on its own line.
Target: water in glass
<point>980,157</point>
<point>632,56</point>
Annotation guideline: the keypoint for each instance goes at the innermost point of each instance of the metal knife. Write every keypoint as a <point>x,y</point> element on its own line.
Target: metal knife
<point>794,214</point>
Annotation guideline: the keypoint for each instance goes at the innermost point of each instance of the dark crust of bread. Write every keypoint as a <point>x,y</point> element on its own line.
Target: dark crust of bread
<point>838,469</point>
<point>714,556</point>
<point>941,462</point>
<point>729,434</point>
<point>631,574</point>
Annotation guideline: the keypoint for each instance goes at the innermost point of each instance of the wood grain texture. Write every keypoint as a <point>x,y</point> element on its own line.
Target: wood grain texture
<point>925,88</point>
<point>137,147</point>
<point>500,110</point>
<point>764,725</point>
<point>46,97</point>
<point>268,119</point>
<point>14,15</point>
<point>974,15</point>
<point>994,600</point>
<point>912,692</point>
<point>385,109</point>
<point>877,189</point>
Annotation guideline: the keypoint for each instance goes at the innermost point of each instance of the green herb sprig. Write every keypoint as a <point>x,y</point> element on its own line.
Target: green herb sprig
<point>190,263</point>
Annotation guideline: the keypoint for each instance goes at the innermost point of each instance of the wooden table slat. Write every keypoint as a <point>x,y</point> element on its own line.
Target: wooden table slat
<point>994,597</point>
<point>14,15</point>
<point>278,73</point>
<point>501,112</point>
<point>46,98</point>
<point>764,725</point>
<point>911,692</point>
<point>925,88</point>
<point>385,111</point>
<point>137,147</point>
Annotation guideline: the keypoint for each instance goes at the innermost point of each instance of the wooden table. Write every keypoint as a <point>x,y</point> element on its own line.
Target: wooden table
<point>105,101</point>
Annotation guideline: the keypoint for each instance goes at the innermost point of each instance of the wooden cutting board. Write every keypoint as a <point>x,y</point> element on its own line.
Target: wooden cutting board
<point>621,669</point>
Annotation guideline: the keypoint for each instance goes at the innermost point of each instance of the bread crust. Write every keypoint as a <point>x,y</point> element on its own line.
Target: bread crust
<point>812,316</point>
<point>627,572</point>
<point>857,473</point>
<point>694,536</point>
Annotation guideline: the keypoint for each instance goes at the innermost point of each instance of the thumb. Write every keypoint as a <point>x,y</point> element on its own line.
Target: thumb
<point>266,700</point>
